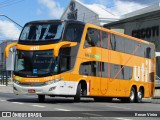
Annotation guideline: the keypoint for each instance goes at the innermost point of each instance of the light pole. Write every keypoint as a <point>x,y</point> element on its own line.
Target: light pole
<point>11,20</point>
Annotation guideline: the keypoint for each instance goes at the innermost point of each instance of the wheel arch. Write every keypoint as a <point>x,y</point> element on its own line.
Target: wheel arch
<point>142,88</point>
<point>134,86</point>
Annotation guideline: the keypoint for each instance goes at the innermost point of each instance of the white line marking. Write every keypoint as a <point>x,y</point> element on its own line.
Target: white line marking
<point>118,107</point>
<point>3,100</point>
<point>62,109</point>
<point>18,103</point>
<point>122,119</point>
<point>91,114</point>
<point>38,106</point>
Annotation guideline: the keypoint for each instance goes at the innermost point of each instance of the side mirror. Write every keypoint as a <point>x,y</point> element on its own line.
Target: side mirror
<point>8,48</point>
<point>63,45</point>
<point>157,54</point>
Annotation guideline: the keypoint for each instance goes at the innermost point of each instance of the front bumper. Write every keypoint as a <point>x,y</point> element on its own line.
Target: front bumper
<point>59,88</point>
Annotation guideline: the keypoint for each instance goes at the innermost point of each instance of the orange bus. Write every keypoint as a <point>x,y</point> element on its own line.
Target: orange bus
<point>72,58</point>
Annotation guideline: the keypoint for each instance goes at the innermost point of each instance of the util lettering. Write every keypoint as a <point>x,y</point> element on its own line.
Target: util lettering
<point>141,72</point>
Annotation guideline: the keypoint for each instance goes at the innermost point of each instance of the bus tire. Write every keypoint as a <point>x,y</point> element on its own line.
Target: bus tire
<point>139,96</point>
<point>78,93</point>
<point>41,98</point>
<point>131,98</point>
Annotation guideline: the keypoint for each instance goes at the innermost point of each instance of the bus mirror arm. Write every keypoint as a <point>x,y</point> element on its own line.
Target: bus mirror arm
<point>8,48</point>
<point>63,45</point>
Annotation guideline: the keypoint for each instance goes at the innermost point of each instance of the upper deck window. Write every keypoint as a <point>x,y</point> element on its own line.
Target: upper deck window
<point>42,32</point>
<point>73,32</point>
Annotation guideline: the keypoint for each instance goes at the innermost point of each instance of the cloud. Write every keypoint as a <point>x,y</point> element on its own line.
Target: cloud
<point>8,30</point>
<point>55,10</point>
<point>147,2</point>
<point>123,7</point>
<point>120,7</point>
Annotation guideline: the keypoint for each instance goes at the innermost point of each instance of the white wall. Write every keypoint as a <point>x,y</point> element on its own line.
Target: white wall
<point>83,14</point>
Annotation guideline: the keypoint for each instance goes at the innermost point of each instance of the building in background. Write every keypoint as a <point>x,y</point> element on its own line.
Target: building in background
<point>6,64</point>
<point>95,14</point>
<point>144,24</point>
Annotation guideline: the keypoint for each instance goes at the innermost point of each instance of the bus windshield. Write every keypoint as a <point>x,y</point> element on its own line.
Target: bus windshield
<point>42,32</point>
<point>35,63</point>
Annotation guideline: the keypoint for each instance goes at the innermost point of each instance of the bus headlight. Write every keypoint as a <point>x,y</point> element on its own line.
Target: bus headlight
<point>53,81</point>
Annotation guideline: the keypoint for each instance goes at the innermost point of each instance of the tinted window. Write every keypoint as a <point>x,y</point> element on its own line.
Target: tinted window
<point>129,46</point>
<point>113,42</point>
<point>105,69</point>
<point>98,69</point>
<point>90,68</point>
<point>67,58</point>
<point>125,45</point>
<point>104,39</point>
<point>74,32</point>
<point>95,69</point>
<point>120,72</point>
<point>92,38</point>
<point>85,68</point>
<point>42,32</point>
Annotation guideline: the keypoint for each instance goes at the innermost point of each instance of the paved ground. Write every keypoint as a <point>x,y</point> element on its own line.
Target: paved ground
<point>11,102</point>
<point>6,89</point>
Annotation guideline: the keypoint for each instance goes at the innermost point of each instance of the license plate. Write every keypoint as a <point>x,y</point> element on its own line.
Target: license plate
<point>31,91</point>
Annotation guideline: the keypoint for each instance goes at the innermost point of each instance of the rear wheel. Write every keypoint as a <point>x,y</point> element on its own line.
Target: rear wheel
<point>132,95</point>
<point>41,98</point>
<point>131,98</point>
<point>139,96</point>
<point>78,93</point>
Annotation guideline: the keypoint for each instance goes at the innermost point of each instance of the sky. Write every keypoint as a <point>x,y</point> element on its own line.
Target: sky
<point>23,11</point>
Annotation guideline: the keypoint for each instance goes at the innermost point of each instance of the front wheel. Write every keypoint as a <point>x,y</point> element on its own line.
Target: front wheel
<point>78,94</point>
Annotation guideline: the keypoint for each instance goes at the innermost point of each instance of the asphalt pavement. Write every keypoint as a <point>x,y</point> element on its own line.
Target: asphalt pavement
<point>87,107</point>
<point>6,89</point>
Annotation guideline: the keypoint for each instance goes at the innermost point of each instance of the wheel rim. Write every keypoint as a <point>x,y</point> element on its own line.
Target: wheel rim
<point>132,96</point>
<point>139,95</point>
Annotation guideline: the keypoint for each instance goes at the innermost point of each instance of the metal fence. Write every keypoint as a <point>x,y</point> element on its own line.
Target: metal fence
<point>4,77</point>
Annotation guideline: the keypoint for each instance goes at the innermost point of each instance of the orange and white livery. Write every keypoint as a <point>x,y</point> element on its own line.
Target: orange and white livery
<point>71,58</point>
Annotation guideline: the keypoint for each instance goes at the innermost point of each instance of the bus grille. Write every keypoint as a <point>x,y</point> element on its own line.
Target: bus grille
<point>31,84</point>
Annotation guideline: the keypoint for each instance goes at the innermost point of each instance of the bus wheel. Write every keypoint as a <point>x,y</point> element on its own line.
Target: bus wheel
<point>78,93</point>
<point>132,96</point>
<point>139,96</point>
<point>41,98</point>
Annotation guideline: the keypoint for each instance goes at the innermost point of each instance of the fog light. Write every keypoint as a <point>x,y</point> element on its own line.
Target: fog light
<point>52,88</point>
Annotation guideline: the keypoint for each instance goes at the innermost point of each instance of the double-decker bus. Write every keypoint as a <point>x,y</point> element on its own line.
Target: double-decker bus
<point>72,58</point>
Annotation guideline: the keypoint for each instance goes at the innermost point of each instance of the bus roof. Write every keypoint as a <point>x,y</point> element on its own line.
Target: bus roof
<point>46,21</point>
<point>102,28</point>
